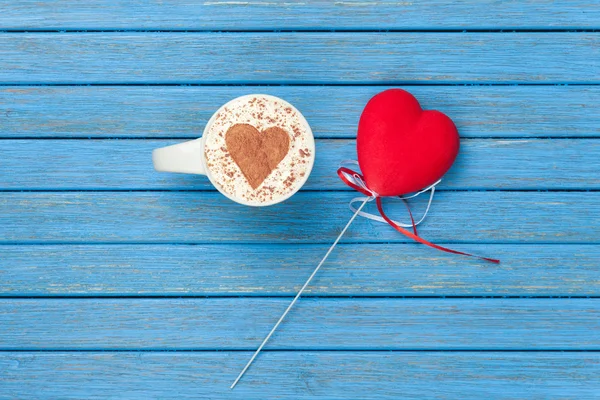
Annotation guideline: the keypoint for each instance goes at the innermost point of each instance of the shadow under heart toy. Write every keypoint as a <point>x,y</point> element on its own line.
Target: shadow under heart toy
<point>401,149</point>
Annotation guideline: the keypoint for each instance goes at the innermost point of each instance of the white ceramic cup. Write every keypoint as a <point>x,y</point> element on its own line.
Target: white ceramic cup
<point>188,157</point>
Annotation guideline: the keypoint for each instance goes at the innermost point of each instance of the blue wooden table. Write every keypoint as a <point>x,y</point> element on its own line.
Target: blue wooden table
<point>119,282</point>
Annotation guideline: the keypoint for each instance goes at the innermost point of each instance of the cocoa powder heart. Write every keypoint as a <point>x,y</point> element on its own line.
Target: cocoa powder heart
<point>257,153</point>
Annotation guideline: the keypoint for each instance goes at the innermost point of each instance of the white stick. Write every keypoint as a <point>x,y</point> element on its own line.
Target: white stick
<point>299,294</point>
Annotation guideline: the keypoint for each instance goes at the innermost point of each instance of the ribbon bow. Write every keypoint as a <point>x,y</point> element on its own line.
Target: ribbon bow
<point>356,182</point>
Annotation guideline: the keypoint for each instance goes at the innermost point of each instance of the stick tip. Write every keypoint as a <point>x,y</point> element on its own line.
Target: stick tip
<point>234,383</point>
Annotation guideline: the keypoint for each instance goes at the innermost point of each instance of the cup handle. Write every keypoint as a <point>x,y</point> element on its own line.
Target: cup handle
<point>184,157</point>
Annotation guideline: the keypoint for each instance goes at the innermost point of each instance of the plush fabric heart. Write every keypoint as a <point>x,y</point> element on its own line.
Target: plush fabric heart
<point>402,148</point>
<point>256,153</point>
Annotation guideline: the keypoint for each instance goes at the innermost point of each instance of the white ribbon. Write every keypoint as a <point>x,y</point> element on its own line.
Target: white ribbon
<point>356,179</point>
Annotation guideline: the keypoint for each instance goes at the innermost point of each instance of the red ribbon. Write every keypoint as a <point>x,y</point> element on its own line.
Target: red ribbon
<point>413,235</point>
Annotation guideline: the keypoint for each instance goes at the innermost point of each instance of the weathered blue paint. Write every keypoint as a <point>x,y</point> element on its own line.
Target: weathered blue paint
<point>301,375</point>
<point>279,270</point>
<point>207,217</point>
<point>333,111</point>
<point>367,58</point>
<point>326,324</point>
<point>531,164</point>
<point>523,140</point>
<point>319,14</point>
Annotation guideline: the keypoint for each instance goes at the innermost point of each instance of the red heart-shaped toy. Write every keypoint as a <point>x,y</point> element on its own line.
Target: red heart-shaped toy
<point>402,148</point>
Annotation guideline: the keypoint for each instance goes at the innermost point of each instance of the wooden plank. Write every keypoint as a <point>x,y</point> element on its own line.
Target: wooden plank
<point>188,217</point>
<point>246,270</point>
<point>383,58</point>
<point>315,323</point>
<point>333,111</point>
<point>124,164</point>
<point>300,375</point>
<point>236,15</point>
